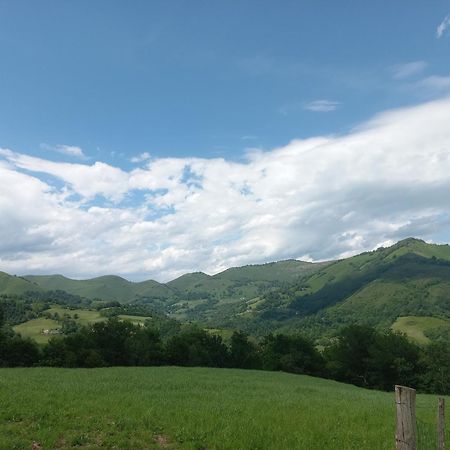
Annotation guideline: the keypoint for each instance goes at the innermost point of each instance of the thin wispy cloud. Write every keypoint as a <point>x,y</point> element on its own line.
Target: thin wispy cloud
<point>321,106</point>
<point>141,158</point>
<point>69,150</point>
<point>436,83</point>
<point>406,70</point>
<point>442,27</point>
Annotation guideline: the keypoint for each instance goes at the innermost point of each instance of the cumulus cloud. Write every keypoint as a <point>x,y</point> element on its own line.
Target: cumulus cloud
<point>88,181</point>
<point>319,198</point>
<point>406,70</point>
<point>440,30</point>
<point>321,106</point>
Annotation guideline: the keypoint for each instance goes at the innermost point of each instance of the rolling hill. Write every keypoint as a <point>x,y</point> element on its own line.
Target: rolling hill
<point>107,287</point>
<point>13,285</point>
<point>228,286</point>
<point>408,279</point>
<point>411,278</point>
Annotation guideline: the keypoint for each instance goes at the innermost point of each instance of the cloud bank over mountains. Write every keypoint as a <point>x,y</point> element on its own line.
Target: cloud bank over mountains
<point>320,198</point>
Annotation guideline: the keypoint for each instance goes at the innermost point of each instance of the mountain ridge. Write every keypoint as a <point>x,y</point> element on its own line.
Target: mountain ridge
<point>409,278</point>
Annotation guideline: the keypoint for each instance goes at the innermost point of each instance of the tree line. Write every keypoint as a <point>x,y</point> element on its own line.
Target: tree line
<point>359,355</point>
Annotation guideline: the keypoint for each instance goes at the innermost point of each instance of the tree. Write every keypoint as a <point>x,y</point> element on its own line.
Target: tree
<point>196,347</point>
<point>436,377</point>
<point>243,353</point>
<point>145,348</point>
<point>18,352</point>
<point>291,354</point>
<point>348,358</point>
<point>364,357</point>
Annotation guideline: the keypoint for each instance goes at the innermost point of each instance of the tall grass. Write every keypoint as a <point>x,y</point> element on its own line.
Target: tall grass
<point>194,408</point>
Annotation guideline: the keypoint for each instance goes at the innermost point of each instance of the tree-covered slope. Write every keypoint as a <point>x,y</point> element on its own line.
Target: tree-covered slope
<point>411,278</point>
<point>233,285</point>
<point>214,299</point>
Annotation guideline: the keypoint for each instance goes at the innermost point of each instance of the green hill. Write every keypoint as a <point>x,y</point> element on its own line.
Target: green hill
<point>108,287</point>
<point>411,278</point>
<point>281,271</point>
<point>195,408</point>
<point>197,282</point>
<point>211,299</point>
<point>13,285</point>
<point>193,296</point>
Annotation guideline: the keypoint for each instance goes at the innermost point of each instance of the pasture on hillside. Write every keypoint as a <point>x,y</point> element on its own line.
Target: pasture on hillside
<point>34,328</point>
<point>196,408</point>
<point>415,327</point>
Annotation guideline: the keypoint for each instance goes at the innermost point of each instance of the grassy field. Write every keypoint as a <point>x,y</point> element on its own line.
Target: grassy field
<point>33,329</point>
<point>194,408</point>
<point>136,320</point>
<point>414,326</point>
<point>85,316</point>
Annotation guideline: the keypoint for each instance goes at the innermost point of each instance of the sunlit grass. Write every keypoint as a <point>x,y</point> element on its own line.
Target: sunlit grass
<point>194,408</point>
<point>415,326</point>
<point>33,329</point>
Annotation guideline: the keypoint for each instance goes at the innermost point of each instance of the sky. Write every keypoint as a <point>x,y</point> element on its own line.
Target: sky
<point>151,139</point>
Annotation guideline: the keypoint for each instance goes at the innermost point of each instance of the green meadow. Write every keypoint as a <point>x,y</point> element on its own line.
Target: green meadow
<point>415,326</point>
<point>33,329</point>
<point>196,408</point>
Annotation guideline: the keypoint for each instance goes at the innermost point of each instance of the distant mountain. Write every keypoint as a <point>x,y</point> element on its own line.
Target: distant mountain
<point>230,285</point>
<point>411,278</point>
<point>13,285</point>
<point>282,271</point>
<point>229,293</point>
<point>109,287</point>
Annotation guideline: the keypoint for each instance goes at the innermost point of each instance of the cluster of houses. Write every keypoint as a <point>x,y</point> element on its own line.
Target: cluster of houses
<point>48,331</point>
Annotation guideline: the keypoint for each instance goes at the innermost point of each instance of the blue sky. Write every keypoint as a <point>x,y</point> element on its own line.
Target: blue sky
<point>149,139</point>
<point>203,78</point>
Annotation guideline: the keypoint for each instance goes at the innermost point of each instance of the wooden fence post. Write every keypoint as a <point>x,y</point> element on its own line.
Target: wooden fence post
<point>441,423</point>
<point>405,436</point>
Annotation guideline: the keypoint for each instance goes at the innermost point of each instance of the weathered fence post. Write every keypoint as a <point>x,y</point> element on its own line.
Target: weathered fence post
<point>441,424</point>
<point>405,436</point>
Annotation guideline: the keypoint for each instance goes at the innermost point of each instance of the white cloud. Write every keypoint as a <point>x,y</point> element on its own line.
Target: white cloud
<point>141,158</point>
<point>87,181</point>
<point>321,106</point>
<point>442,27</point>
<point>69,150</point>
<point>321,197</point>
<point>406,70</point>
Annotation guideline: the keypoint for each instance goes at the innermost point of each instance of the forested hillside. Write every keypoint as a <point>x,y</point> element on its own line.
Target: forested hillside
<point>411,278</point>
<point>408,279</point>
